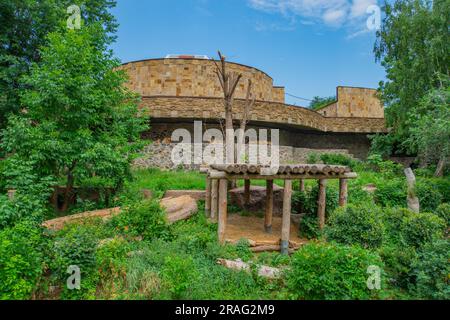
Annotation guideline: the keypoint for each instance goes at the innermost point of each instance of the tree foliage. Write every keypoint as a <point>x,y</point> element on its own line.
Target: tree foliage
<point>23,31</point>
<point>412,45</point>
<point>318,102</point>
<point>78,120</point>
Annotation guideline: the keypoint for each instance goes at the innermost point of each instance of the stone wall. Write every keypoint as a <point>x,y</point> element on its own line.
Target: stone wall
<point>270,113</point>
<point>158,155</point>
<point>195,78</point>
<point>355,102</point>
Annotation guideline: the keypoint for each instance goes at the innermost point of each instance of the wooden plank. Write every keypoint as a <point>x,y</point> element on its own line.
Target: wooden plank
<point>269,207</point>
<point>321,203</point>
<point>247,192</point>
<point>343,192</point>
<point>286,222</point>
<point>208,197</point>
<point>214,199</point>
<point>223,193</point>
<point>247,176</point>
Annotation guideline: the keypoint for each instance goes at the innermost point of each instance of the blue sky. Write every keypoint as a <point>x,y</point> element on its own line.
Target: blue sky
<point>308,46</point>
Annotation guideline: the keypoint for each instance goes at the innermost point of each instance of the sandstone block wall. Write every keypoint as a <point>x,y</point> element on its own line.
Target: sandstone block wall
<point>355,102</point>
<point>275,114</point>
<point>195,78</point>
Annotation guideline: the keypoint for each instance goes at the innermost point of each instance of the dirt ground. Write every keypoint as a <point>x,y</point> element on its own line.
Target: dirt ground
<point>252,228</point>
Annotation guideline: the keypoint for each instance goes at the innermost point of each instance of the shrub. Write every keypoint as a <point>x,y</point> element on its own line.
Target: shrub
<point>179,273</point>
<point>419,229</point>
<point>144,218</point>
<point>429,196</point>
<point>321,271</point>
<point>312,158</point>
<point>443,211</point>
<point>76,246</point>
<point>21,260</point>
<point>398,262</point>
<point>309,227</point>
<point>360,224</point>
<point>391,193</point>
<point>432,270</point>
<point>338,159</point>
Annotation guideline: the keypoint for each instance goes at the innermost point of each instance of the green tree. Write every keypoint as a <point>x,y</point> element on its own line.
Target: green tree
<point>430,129</point>
<point>318,102</point>
<point>412,46</point>
<point>24,28</point>
<point>79,121</point>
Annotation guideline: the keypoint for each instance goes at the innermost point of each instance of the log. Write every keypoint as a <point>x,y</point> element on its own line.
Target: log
<point>208,197</point>
<point>321,203</point>
<point>253,169</point>
<point>269,207</point>
<point>214,199</point>
<point>223,194</point>
<point>301,183</point>
<point>343,192</point>
<point>286,222</point>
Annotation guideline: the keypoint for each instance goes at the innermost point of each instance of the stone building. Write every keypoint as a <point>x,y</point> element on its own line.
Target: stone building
<point>176,91</point>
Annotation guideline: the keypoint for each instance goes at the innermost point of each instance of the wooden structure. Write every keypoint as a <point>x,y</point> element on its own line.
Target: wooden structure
<point>217,190</point>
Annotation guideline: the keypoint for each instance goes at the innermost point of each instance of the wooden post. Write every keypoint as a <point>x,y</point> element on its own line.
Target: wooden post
<point>247,192</point>
<point>269,206</point>
<point>223,193</point>
<point>286,224</point>
<point>214,199</point>
<point>11,194</point>
<point>343,192</point>
<point>302,185</point>
<point>321,203</point>
<point>208,197</point>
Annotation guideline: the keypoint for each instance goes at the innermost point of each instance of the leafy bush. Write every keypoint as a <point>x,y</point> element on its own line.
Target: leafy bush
<point>21,260</point>
<point>312,158</point>
<point>398,261</point>
<point>443,211</point>
<point>419,229</point>
<point>385,167</point>
<point>179,273</point>
<point>338,159</point>
<point>324,271</point>
<point>76,246</point>
<point>144,218</point>
<point>432,270</point>
<point>309,227</point>
<point>391,193</point>
<point>360,224</point>
<point>429,196</point>
<point>406,228</point>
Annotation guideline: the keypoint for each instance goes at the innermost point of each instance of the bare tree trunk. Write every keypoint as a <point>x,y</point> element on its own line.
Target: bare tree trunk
<point>413,201</point>
<point>440,167</point>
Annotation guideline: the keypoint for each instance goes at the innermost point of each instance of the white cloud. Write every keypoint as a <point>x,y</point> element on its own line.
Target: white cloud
<point>333,13</point>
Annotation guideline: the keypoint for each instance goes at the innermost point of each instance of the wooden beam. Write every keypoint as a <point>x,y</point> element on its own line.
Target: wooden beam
<point>214,199</point>
<point>233,176</point>
<point>269,207</point>
<point>247,192</point>
<point>343,192</point>
<point>286,222</point>
<point>223,194</point>
<point>208,197</point>
<point>301,183</point>
<point>321,203</point>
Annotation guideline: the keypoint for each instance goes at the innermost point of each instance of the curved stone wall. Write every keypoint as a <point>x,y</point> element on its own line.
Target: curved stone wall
<point>270,113</point>
<point>195,78</point>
